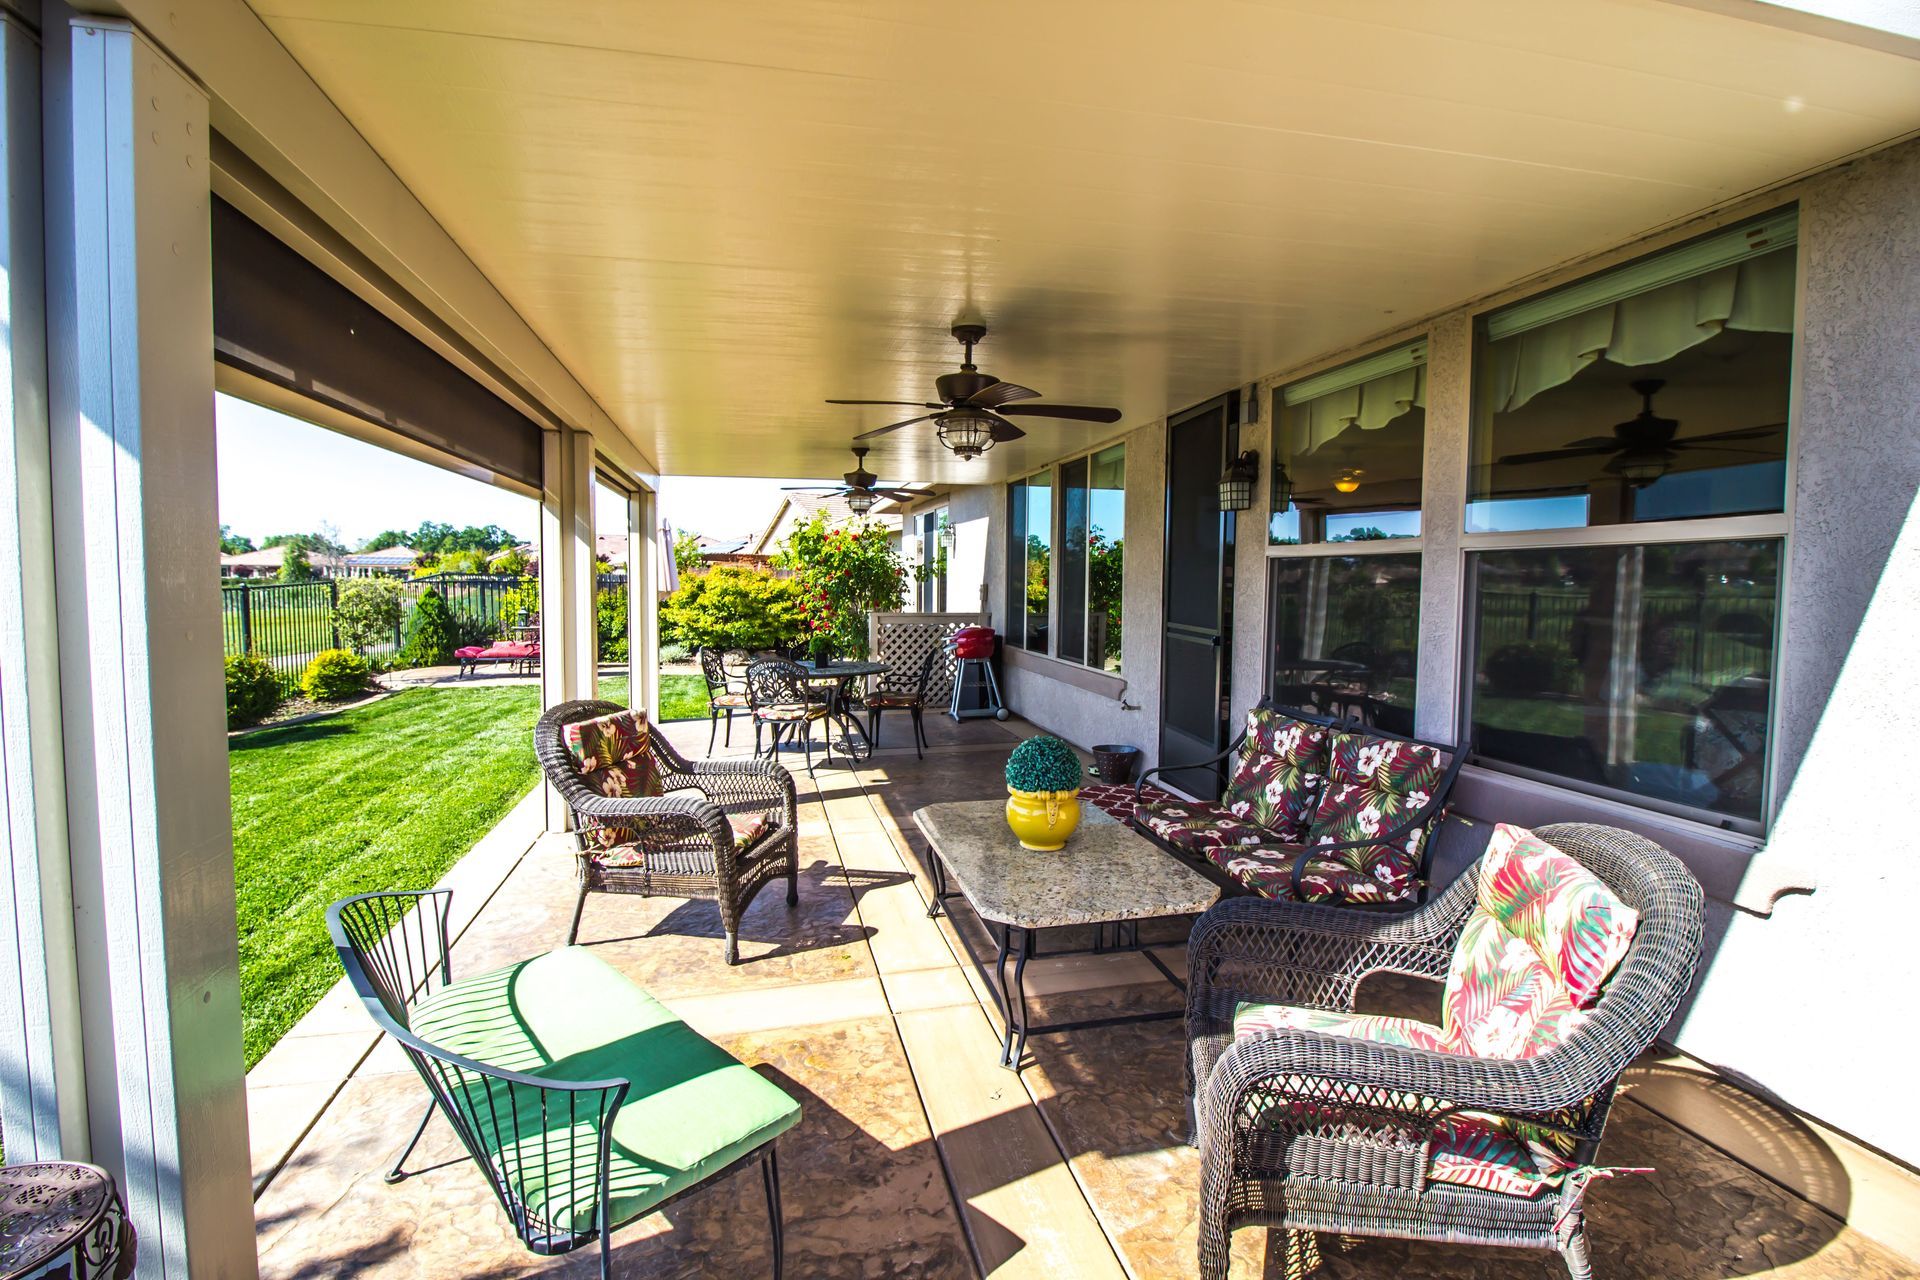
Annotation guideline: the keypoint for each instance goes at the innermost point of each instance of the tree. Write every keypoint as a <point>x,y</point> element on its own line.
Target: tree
<point>844,575</point>
<point>610,623</point>
<point>1106,582</point>
<point>368,612</point>
<point>232,544</point>
<point>296,567</point>
<point>384,539</point>
<point>512,564</point>
<point>430,632</point>
<point>321,543</point>
<point>731,608</point>
<point>686,553</point>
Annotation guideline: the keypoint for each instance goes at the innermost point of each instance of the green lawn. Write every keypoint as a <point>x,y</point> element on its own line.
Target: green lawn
<point>386,796</point>
<point>682,697</point>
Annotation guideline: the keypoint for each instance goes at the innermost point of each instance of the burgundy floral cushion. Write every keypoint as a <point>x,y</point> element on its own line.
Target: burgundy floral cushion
<point>1373,785</point>
<point>1277,783</point>
<point>614,761</point>
<point>1265,869</point>
<point>1197,828</point>
<point>746,827</point>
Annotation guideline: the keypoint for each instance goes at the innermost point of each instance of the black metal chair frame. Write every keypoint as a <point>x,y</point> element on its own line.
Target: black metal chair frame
<point>917,708</point>
<point>689,850</point>
<point>713,668</point>
<point>395,949</point>
<point>1425,814</point>
<point>1351,1160</point>
<point>775,682</point>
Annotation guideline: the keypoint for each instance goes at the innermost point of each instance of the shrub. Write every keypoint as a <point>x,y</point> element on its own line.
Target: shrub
<point>368,612</point>
<point>610,622</point>
<point>252,690</point>
<point>1044,763</point>
<point>844,574</point>
<point>1525,670</point>
<point>334,674</point>
<point>470,630</point>
<point>674,651</point>
<point>520,603</point>
<point>295,567</point>
<point>432,634</point>
<point>731,608</point>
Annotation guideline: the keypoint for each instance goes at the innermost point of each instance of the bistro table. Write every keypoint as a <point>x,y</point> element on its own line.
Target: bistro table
<point>1107,875</point>
<point>842,675</point>
<point>59,1219</point>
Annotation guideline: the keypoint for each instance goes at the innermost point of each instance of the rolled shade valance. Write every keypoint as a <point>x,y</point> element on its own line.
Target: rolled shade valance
<point>1369,393</point>
<point>1645,313</point>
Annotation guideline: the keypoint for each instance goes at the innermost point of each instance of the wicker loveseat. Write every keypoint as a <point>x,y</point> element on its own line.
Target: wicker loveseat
<point>1481,1129</point>
<point>1315,810</point>
<point>653,822</point>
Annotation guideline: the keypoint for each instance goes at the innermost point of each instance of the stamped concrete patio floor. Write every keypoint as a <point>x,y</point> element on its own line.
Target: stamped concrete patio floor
<point>916,1154</point>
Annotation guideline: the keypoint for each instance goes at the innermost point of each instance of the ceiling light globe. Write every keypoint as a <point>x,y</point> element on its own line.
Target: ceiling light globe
<point>965,433</point>
<point>860,501</point>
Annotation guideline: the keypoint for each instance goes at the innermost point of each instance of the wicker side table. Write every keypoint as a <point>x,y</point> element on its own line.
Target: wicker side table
<point>62,1220</point>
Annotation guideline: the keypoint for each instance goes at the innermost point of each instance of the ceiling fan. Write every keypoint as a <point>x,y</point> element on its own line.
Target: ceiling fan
<point>1644,447</point>
<point>971,414</point>
<point>861,489</point>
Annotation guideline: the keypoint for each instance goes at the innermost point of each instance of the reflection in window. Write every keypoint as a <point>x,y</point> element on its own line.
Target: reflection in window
<point>1029,561</point>
<point>1643,670</point>
<point>1106,546</point>
<point>1655,392</point>
<point>1344,633</point>
<point>1348,446</point>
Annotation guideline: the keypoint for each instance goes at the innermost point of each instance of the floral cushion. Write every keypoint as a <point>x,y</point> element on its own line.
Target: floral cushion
<point>1251,1019</point>
<point>1265,869</point>
<point>729,700</point>
<point>1490,1153</point>
<point>1373,785</point>
<point>785,712</point>
<point>1196,828</point>
<point>614,761</point>
<point>1544,937</point>
<point>746,827</point>
<point>1283,762</point>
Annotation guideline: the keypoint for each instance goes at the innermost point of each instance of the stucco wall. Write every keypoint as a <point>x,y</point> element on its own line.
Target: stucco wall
<point>1780,992</point>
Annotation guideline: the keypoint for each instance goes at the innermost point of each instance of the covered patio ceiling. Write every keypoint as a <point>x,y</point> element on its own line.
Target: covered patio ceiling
<point>719,215</point>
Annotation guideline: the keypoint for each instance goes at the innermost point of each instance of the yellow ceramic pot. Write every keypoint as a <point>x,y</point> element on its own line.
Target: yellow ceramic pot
<point>1043,819</point>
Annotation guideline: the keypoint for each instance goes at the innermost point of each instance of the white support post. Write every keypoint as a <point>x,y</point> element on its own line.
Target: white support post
<point>643,599</point>
<point>42,1091</point>
<point>130,358</point>
<point>568,579</point>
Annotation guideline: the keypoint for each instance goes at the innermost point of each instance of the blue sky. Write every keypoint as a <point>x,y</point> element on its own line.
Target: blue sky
<point>281,475</point>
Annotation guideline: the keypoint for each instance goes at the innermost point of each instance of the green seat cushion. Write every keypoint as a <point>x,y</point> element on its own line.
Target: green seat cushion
<point>692,1110</point>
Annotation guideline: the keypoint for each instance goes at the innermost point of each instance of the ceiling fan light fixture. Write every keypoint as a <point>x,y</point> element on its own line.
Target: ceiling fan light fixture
<point>966,433</point>
<point>860,501</point>
<point>1347,481</point>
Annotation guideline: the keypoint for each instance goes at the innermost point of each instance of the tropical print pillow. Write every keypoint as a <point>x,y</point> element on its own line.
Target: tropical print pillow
<point>1544,937</point>
<point>1276,785</point>
<point>1251,1019</point>
<point>1373,785</point>
<point>614,761</point>
<point>746,828</point>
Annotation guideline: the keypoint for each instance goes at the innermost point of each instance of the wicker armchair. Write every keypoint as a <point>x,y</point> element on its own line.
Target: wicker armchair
<point>686,846</point>
<point>1316,1133</point>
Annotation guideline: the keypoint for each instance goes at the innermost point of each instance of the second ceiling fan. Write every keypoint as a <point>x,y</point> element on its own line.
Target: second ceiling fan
<point>972,413</point>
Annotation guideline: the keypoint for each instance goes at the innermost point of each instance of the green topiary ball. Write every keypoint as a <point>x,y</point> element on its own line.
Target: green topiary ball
<point>1044,763</point>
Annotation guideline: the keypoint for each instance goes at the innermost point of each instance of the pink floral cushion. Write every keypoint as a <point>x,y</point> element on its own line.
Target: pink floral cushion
<point>1544,937</point>
<point>1489,1153</point>
<point>1251,1019</point>
<point>747,828</point>
<point>1373,785</point>
<point>1276,785</point>
<point>614,761</point>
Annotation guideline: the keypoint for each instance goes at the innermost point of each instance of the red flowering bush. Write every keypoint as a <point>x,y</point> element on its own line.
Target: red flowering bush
<point>843,574</point>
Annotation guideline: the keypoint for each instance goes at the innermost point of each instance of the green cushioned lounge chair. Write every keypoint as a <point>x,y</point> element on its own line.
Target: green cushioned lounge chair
<point>585,1103</point>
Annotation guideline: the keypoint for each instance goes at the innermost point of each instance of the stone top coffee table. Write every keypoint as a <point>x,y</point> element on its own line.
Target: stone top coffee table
<point>1107,875</point>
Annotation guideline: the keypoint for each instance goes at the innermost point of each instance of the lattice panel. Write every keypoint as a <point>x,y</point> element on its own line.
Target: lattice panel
<point>903,640</point>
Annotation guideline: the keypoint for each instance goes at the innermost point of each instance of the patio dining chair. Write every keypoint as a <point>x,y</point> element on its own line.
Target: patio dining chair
<point>582,1101</point>
<point>651,821</point>
<point>1564,953</point>
<point>726,693</point>
<point>784,698</point>
<point>931,683</point>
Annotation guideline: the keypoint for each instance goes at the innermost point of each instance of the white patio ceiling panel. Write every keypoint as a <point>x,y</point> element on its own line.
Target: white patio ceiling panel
<point>717,215</point>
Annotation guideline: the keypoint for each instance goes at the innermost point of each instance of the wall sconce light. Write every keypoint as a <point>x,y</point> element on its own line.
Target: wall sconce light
<point>1282,488</point>
<point>1236,482</point>
<point>947,538</point>
<point>1349,480</point>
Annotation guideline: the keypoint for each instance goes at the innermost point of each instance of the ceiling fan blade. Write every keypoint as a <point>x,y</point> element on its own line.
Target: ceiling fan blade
<point>1079,412</point>
<point>1593,442</point>
<point>899,495</point>
<point>1548,455</point>
<point>811,488</point>
<point>1000,393</point>
<point>1004,431</point>
<point>891,426</point>
<point>1687,446</point>
<point>1745,433</point>
<point>905,404</point>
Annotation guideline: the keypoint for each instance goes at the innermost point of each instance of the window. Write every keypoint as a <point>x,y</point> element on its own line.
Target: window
<point>1345,632</point>
<point>1625,526</point>
<point>1029,561</point>
<point>930,564</point>
<point>1348,448</point>
<point>1087,556</point>
<point>1656,392</point>
<point>1643,671</point>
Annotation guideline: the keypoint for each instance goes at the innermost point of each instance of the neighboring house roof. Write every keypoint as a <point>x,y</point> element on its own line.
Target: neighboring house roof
<point>796,507</point>
<point>396,557</point>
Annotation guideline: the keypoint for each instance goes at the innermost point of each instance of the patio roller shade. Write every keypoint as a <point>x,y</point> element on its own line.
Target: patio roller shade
<point>1370,392</point>
<point>279,318</point>
<point>1646,312</point>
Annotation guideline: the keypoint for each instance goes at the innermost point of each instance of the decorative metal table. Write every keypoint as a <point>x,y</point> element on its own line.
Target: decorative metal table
<point>842,675</point>
<point>62,1220</point>
<point>1107,876</point>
